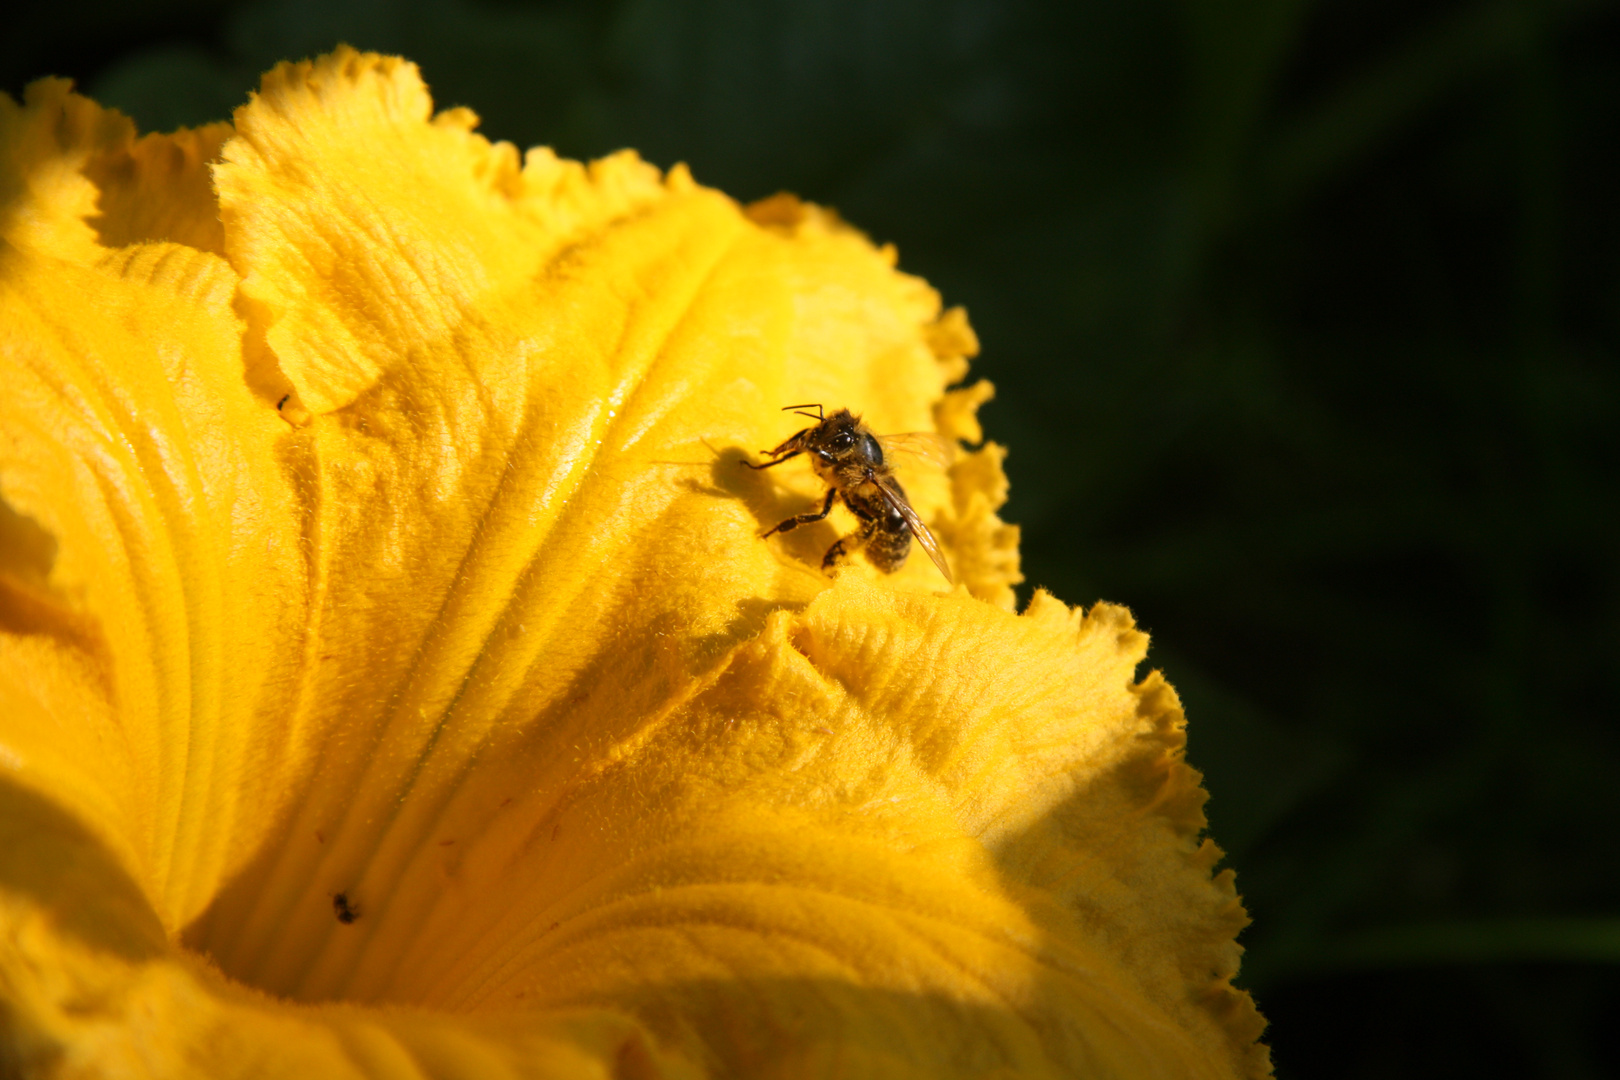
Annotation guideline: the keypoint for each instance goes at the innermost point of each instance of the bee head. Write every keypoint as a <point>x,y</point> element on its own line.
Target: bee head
<point>835,436</point>
<point>841,441</point>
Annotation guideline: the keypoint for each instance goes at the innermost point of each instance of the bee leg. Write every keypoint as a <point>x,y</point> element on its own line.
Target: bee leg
<point>778,461</point>
<point>842,547</point>
<point>804,519</point>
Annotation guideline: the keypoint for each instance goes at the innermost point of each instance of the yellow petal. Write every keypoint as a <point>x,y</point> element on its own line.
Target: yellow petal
<point>74,180</point>
<point>163,635</point>
<point>891,811</point>
<point>391,539</point>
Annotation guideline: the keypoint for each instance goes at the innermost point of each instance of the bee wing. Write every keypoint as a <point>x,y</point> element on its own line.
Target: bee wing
<point>927,446</point>
<point>897,499</point>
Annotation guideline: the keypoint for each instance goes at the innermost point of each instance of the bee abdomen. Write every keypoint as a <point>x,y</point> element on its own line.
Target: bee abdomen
<point>888,549</point>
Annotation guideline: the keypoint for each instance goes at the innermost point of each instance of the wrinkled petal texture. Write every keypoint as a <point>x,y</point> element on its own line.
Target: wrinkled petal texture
<point>375,523</point>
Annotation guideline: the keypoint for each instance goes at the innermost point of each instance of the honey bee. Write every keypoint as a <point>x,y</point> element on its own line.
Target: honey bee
<point>856,467</point>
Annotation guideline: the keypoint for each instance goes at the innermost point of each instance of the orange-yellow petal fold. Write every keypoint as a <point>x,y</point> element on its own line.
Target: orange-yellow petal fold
<point>375,525</point>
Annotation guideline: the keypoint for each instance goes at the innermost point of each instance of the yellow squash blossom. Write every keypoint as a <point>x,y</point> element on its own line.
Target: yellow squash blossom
<point>394,682</point>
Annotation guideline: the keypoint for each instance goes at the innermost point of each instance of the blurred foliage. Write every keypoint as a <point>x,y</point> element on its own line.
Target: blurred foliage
<point>1305,318</point>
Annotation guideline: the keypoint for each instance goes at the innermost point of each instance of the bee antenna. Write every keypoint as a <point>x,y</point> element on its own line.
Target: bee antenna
<point>809,405</point>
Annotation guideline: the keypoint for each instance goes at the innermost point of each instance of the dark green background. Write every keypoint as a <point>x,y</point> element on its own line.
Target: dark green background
<point>1305,319</point>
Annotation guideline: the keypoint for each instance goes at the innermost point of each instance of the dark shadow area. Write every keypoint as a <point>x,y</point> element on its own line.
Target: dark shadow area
<point>1528,1020</point>
<point>772,1027</point>
<point>53,859</point>
<point>771,504</point>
